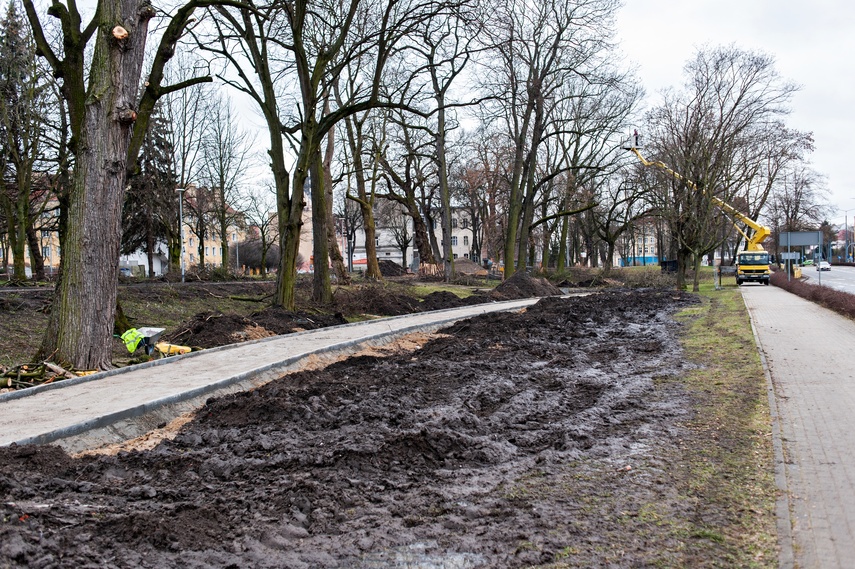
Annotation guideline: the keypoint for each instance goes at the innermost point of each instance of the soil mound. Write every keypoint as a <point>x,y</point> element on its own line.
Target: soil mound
<point>495,445</point>
<point>522,285</point>
<point>391,269</point>
<point>374,299</point>
<point>468,267</point>
<point>211,329</point>
<point>442,299</point>
<point>281,321</point>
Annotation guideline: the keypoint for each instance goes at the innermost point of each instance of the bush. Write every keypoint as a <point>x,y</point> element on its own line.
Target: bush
<point>836,300</point>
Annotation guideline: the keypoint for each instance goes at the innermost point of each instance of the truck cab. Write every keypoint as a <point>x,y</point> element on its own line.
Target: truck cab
<point>752,266</point>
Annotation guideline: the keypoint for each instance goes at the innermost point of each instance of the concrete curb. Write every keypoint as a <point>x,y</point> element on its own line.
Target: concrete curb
<point>136,420</point>
<point>30,391</point>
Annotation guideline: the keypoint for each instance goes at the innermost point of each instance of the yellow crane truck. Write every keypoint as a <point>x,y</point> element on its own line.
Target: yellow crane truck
<point>752,264</point>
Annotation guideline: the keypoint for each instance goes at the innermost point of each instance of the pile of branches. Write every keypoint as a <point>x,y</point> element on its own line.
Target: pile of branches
<point>30,375</point>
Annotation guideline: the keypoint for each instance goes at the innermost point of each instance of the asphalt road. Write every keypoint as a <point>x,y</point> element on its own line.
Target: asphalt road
<point>840,278</point>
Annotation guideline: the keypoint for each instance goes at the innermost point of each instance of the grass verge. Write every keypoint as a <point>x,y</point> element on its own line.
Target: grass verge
<point>727,468</point>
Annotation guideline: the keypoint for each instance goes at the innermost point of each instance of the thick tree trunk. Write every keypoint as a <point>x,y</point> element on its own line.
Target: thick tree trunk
<point>18,243</point>
<point>81,328</point>
<point>444,191</point>
<point>321,289</point>
<point>290,223</point>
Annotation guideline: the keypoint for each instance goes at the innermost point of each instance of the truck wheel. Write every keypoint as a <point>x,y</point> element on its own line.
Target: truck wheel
<point>738,282</point>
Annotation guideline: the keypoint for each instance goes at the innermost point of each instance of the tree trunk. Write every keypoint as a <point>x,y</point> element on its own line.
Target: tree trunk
<point>444,192</point>
<point>81,328</point>
<point>321,289</point>
<point>339,268</point>
<point>37,260</point>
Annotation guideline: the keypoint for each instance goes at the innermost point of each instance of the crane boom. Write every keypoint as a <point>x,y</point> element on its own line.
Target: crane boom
<point>761,232</point>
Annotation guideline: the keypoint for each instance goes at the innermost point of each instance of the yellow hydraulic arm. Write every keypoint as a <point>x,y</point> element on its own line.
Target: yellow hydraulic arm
<point>761,232</point>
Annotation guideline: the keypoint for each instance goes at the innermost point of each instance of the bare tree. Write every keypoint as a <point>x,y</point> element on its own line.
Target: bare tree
<point>186,111</point>
<point>408,165</point>
<point>710,133</point>
<point>392,218</point>
<point>347,212</point>
<point>226,154</point>
<point>259,209</point>
<point>538,46</point>
<point>24,90</point>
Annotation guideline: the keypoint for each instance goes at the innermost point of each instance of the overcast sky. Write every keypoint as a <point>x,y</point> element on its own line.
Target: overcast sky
<point>813,44</point>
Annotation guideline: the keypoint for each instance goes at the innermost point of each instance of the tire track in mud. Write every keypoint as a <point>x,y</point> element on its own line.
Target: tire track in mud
<point>469,452</point>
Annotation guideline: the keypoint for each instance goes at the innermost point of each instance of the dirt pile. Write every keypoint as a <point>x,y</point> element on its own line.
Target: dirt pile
<point>468,267</point>
<point>212,329</point>
<point>511,440</point>
<point>374,300</point>
<point>442,299</point>
<point>391,269</point>
<point>522,285</point>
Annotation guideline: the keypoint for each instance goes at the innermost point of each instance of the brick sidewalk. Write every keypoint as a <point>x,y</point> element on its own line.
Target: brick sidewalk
<point>810,353</point>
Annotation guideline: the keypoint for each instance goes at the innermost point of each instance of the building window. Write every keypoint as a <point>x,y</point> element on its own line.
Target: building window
<point>192,258</point>
<point>207,252</point>
<point>191,242</point>
<point>465,222</point>
<point>46,251</point>
<point>45,233</point>
<point>466,240</point>
<point>454,223</point>
<point>234,237</point>
<point>454,240</point>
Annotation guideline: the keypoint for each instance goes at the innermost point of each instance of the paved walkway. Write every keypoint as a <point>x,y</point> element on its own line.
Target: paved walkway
<point>121,404</point>
<point>810,354</point>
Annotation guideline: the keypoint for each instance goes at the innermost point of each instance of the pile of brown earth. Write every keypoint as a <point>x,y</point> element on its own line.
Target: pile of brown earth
<point>391,269</point>
<point>539,438</point>
<point>211,329</point>
<point>521,285</point>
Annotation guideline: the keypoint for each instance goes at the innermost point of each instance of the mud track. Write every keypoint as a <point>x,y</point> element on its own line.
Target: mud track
<point>509,440</point>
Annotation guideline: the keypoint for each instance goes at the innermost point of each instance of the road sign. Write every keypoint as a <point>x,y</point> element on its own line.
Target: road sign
<point>793,256</point>
<point>800,238</point>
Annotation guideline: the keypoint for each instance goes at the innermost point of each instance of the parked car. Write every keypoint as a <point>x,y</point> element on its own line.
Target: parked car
<point>823,266</point>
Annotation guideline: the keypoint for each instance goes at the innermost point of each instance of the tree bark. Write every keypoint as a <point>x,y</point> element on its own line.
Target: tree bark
<point>85,303</point>
<point>336,258</point>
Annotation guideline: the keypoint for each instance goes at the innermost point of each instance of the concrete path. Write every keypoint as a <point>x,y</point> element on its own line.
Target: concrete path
<point>121,404</point>
<point>810,354</point>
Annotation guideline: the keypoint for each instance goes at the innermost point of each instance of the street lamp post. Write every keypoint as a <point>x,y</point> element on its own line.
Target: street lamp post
<point>846,232</point>
<point>181,226</point>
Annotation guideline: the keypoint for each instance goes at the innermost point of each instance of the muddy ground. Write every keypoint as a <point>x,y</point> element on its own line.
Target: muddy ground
<point>550,438</point>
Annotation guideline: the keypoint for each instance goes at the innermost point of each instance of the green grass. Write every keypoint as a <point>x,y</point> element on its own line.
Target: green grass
<point>728,467</point>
